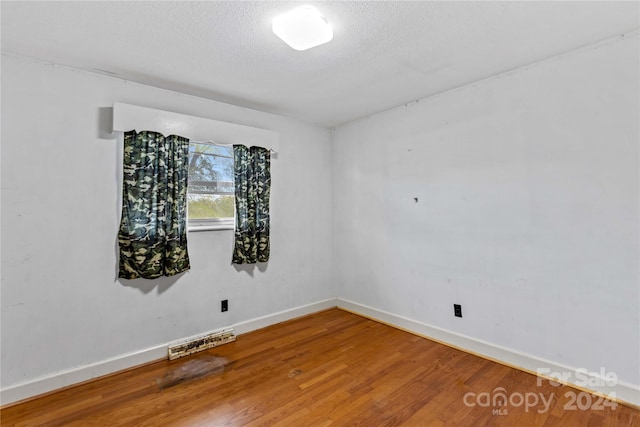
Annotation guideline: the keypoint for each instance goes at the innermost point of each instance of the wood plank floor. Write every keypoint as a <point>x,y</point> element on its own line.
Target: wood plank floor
<point>331,368</point>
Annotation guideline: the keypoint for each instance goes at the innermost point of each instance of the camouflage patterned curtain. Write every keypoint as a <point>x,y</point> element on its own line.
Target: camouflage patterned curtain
<point>252,174</point>
<point>153,232</point>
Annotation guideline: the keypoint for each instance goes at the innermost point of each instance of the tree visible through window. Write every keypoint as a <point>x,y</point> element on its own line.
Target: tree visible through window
<point>210,196</point>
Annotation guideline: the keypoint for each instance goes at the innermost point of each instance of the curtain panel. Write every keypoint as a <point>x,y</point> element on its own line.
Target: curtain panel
<point>153,228</point>
<point>252,174</point>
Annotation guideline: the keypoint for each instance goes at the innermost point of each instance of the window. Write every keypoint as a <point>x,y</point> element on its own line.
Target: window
<point>210,195</point>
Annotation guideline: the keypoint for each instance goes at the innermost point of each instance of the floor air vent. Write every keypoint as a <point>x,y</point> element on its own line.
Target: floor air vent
<point>201,343</point>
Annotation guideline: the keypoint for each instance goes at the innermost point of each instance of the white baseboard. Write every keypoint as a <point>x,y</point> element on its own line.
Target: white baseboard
<point>77,375</point>
<point>282,316</point>
<point>69,377</point>
<point>575,377</point>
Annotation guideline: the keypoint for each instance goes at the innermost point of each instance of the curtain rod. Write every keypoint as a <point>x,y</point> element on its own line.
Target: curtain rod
<point>221,144</point>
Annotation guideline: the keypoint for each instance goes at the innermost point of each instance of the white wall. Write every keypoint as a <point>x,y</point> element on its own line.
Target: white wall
<point>62,307</point>
<point>527,212</point>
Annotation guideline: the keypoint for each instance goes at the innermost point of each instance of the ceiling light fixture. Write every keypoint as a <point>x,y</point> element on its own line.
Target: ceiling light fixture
<point>302,28</point>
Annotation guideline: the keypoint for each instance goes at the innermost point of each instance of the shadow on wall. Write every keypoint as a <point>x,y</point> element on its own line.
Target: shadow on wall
<point>251,268</point>
<point>105,123</point>
<point>162,284</point>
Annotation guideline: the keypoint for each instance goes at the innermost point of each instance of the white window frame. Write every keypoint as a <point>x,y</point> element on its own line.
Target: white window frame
<point>128,117</point>
<point>205,224</point>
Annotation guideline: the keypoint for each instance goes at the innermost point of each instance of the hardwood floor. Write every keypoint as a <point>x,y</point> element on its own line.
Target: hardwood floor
<point>331,368</point>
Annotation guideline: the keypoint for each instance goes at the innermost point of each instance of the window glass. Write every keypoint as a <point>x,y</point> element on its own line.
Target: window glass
<point>210,195</point>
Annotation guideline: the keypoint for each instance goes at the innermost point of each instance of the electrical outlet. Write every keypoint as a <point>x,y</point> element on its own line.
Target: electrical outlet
<point>224,305</point>
<point>457,310</point>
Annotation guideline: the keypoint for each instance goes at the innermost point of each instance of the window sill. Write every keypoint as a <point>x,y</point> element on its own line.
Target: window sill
<point>210,227</point>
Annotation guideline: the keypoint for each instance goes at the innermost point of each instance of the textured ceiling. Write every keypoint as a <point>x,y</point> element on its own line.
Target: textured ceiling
<point>383,54</point>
